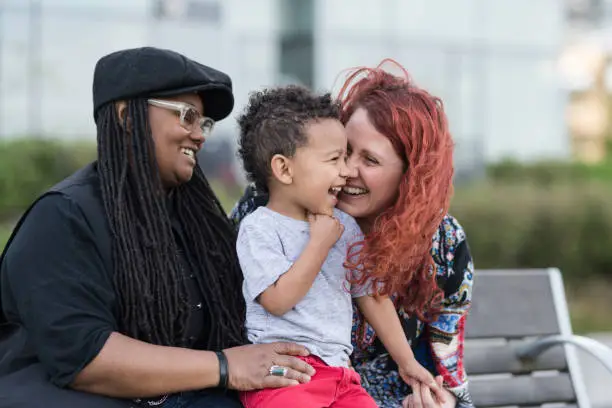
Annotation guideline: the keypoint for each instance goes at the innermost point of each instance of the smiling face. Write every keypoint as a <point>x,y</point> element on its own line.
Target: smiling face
<point>176,145</point>
<point>315,174</point>
<point>375,170</point>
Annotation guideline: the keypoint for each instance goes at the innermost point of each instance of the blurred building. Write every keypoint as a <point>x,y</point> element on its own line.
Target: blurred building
<point>48,50</point>
<point>494,63</point>
<point>586,67</point>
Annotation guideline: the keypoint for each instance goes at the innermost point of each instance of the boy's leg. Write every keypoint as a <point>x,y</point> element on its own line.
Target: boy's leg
<point>353,394</point>
<point>297,397</point>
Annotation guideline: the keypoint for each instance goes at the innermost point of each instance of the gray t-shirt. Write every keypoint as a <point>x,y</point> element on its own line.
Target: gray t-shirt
<point>268,245</point>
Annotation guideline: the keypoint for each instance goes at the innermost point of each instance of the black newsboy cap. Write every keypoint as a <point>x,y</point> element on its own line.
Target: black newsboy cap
<point>154,72</point>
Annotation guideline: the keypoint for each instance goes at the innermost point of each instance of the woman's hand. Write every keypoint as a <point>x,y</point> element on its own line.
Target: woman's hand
<point>249,366</point>
<point>421,397</point>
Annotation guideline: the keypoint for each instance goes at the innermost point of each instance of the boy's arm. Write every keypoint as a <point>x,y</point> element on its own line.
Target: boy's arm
<point>380,313</point>
<point>269,276</point>
<point>293,285</point>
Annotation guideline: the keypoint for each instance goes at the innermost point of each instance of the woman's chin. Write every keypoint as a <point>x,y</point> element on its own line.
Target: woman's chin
<point>354,206</point>
<point>184,175</point>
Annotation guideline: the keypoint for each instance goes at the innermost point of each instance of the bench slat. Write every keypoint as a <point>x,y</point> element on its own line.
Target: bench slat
<point>512,304</point>
<point>522,391</point>
<point>500,359</point>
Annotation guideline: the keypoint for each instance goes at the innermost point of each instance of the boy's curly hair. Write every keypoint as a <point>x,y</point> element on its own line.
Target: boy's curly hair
<point>274,122</point>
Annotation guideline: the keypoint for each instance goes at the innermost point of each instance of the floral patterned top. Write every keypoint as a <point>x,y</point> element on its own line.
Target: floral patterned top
<point>437,345</point>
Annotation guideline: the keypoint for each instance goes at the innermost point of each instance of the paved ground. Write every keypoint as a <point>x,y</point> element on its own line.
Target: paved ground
<point>597,378</point>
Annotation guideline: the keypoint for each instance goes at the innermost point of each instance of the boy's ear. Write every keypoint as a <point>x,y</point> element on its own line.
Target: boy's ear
<point>282,169</point>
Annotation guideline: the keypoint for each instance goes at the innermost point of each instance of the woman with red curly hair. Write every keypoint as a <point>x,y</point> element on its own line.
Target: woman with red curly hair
<point>400,157</point>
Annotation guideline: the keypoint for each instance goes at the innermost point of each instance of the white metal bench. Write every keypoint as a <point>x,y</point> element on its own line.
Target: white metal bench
<point>520,350</point>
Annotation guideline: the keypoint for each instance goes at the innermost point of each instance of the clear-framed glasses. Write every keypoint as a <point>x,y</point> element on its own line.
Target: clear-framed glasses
<point>188,115</point>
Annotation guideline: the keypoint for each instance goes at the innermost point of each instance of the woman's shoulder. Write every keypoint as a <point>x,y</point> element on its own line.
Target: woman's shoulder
<point>69,212</point>
<point>447,240</point>
<point>451,254</point>
<point>84,184</point>
<point>251,200</point>
<point>78,196</point>
<point>450,232</point>
<point>64,214</point>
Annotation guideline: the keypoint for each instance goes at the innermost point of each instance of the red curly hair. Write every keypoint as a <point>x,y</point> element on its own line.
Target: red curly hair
<point>396,253</point>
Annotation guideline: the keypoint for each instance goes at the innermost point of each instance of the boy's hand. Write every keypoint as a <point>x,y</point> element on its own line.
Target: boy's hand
<point>421,397</point>
<point>325,230</point>
<point>412,372</point>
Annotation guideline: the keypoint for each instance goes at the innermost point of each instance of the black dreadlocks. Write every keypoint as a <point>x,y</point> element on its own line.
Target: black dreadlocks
<point>149,284</point>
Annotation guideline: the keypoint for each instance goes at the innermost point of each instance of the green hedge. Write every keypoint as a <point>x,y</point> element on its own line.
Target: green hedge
<point>541,215</point>
<point>528,226</point>
<point>5,233</point>
<point>535,216</point>
<point>30,166</point>
<point>548,173</point>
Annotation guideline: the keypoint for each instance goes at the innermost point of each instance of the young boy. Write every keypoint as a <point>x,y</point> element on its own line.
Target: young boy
<point>292,251</point>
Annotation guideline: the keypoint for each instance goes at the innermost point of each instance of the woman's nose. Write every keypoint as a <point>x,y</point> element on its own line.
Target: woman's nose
<point>197,137</point>
<point>350,168</point>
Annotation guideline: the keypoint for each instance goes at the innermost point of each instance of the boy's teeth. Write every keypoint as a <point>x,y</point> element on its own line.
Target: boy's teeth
<point>188,152</point>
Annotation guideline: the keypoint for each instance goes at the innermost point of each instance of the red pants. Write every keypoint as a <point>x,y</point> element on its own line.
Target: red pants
<point>333,387</point>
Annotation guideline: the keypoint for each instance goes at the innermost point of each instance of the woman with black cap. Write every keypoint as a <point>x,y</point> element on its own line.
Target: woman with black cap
<point>122,282</point>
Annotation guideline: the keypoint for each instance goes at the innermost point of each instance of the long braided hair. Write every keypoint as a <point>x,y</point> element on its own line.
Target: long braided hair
<point>148,280</point>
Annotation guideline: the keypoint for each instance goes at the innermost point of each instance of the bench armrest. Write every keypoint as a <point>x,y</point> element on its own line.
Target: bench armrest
<point>531,350</point>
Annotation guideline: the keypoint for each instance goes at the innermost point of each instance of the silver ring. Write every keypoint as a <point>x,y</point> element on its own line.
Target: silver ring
<point>278,371</point>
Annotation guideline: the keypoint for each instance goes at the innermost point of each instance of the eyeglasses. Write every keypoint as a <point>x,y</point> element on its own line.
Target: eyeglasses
<point>188,115</point>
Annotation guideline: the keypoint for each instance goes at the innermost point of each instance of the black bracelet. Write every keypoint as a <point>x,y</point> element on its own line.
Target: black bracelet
<point>223,369</point>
